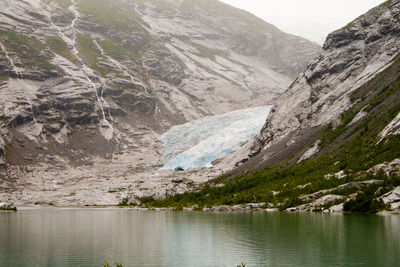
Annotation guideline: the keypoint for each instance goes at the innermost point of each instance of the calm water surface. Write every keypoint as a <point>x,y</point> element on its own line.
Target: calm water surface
<point>92,237</point>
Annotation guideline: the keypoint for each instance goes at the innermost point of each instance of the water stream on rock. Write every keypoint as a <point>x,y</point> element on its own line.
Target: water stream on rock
<point>24,84</point>
<point>108,132</point>
<point>116,63</point>
<point>106,128</point>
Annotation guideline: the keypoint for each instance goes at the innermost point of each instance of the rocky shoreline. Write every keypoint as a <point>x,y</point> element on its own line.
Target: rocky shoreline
<point>392,198</point>
<point>217,209</point>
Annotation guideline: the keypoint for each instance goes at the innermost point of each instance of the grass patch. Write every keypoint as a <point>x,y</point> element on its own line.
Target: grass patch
<point>116,265</point>
<point>63,4</point>
<point>32,54</point>
<point>92,54</point>
<point>367,200</point>
<point>125,203</point>
<point>60,47</point>
<point>119,51</point>
<point>8,208</point>
<point>113,15</point>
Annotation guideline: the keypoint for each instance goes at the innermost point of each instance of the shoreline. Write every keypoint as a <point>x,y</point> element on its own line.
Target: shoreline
<point>216,209</point>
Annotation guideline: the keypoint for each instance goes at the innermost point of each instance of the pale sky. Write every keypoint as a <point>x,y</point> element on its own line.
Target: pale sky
<point>312,19</point>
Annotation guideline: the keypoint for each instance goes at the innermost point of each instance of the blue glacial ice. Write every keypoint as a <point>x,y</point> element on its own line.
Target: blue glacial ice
<point>198,143</point>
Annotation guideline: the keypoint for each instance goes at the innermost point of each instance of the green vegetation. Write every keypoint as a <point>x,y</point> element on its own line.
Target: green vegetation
<point>386,3</point>
<point>4,76</point>
<point>353,157</point>
<point>352,148</point>
<point>119,51</point>
<point>63,4</point>
<point>8,208</point>
<point>59,46</point>
<point>32,53</point>
<point>125,203</point>
<point>113,15</point>
<point>116,265</point>
<point>92,54</point>
<point>367,201</point>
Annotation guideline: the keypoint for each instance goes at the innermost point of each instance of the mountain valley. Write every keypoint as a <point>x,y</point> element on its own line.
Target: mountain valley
<point>197,105</point>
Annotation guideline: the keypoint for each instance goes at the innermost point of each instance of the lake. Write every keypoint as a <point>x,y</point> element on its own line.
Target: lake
<point>92,237</point>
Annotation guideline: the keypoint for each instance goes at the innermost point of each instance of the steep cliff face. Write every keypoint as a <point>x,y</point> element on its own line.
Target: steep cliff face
<point>350,58</point>
<point>95,82</point>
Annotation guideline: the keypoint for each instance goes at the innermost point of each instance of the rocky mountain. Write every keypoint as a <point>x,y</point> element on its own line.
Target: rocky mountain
<point>332,141</point>
<point>87,86</point>
<point>351,57</point>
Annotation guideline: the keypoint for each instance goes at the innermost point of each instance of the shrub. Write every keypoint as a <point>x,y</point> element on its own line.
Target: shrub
<point>364,202</point>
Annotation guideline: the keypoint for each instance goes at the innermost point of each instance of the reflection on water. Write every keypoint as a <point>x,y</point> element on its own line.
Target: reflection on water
<point>92,237</point>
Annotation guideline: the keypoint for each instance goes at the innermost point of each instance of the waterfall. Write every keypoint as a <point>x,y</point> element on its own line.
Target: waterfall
<point>106,128</point>
<point>24,84</point>
<point>116,63</point>
<point>156,110</point>
<point>107,134</point>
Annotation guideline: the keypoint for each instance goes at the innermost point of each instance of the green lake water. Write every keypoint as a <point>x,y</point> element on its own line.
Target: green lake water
<point>92,237</point>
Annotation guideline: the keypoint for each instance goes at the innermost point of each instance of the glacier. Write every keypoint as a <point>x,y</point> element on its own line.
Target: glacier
<point>198,143</point>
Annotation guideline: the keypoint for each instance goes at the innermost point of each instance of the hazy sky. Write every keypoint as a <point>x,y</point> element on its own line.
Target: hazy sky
<point>312,19</point>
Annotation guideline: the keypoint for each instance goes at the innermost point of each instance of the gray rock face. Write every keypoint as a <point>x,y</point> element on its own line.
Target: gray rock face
<point>319,203</point>
<point>223,208</point>
<point>351,56</point>
<point>393,198</point>
<point>387,167</point>
<point>349,185</point>
<point>79,87</point>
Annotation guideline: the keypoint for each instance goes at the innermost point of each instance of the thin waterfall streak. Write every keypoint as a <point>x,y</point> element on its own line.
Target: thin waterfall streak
<point>116,63</point>
<point>18,73</point>
<point>71,41</point>
<point>75,51</point>
<point>156,110</point>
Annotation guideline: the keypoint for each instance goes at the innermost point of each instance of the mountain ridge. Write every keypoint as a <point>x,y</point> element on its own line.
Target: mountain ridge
<point>356,59</point>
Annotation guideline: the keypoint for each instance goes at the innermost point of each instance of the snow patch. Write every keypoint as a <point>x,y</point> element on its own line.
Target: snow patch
<point>198,143</point>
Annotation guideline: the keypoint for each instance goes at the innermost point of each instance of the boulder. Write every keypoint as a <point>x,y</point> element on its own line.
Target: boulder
<point>272,210</point>
<point>326,199</point>
<point>336,208</point>
<point>255,205</point>
<point>223,208</point>
<point>392,198</point>
<point>238,208</point>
